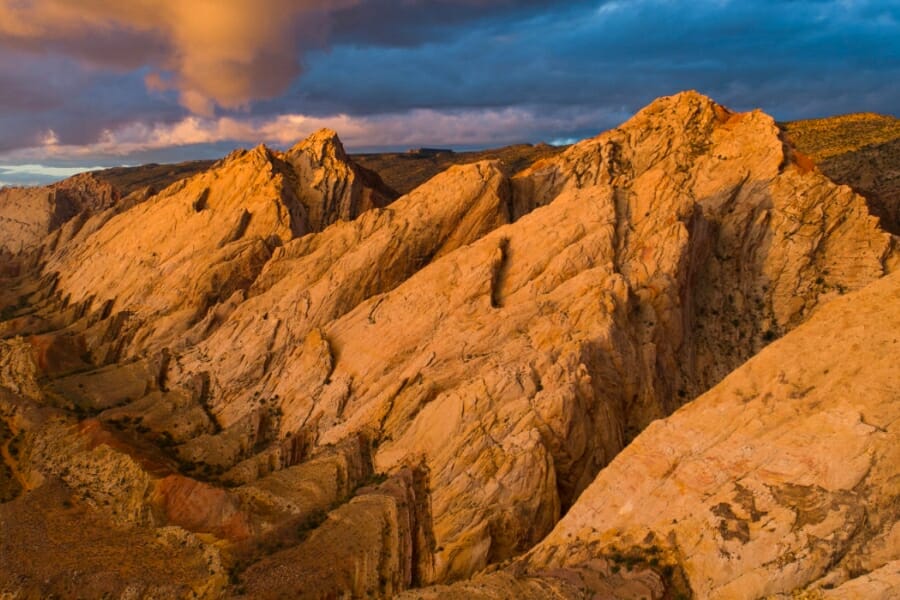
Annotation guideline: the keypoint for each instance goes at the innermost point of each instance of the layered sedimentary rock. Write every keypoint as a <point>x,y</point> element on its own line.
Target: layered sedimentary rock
<point>780,482</point>
<point>27,215</point>
<point>515,367</point>
<point>342,397</point>
<point>329,185</point>
<point>168,260</point>
<point>859,150</point>
<point>874,172</point>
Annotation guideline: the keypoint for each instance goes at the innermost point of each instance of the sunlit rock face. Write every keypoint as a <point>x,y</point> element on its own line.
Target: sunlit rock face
<point>28,214</point>
<point>780,482</point>
<point>861,150</point>
<point>327,391</point>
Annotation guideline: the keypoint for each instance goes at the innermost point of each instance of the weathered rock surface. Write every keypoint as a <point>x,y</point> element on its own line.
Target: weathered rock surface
<point>316,279</point>
<point>513,368</point>
<point>779,482</point>
<point>340,397</point>
<point>27,215</point>
<point>874,172</point>
<point>859,150</point>
<point>172,258</point>
<point>331,186</point>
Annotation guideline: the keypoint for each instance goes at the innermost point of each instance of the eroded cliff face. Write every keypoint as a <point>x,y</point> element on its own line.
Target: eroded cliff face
<point>161,264</point>
<point>27,215</point>
<point>780,482</point>
<point>329,185</point>
<point>342,397</point>
<point>859,150</point>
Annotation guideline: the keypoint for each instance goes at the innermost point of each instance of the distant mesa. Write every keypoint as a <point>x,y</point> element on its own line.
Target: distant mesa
<point>427,152</point>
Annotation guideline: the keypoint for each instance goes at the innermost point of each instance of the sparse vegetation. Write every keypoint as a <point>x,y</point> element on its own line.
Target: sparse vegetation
<point>404,171</point>
<point>832,136</point>
<point>10,311</point>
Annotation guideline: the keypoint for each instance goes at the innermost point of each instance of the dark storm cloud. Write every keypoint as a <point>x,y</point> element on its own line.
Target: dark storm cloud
<point>628,53</point>
<point>514,71</point>
<point>412,23</point>
<point>44,96</point>
<point>210,56</point>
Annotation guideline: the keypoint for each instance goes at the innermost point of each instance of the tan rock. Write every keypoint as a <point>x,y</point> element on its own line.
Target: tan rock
<point>780,480</point>
<point>514,368</point>
<point>173,257</point>
<point>315,279</point>
<point>860,150</point>
<point>487,344</point>
<point>366,547</point>
<point>329,185</point>
<point>18,371</point>
<point>27,215</point>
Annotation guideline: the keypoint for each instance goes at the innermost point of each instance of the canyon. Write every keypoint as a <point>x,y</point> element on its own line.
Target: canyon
<point>657,363</point>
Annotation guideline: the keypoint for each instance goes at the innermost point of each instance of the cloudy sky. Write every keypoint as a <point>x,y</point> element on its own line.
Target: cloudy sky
<point>87,83</point>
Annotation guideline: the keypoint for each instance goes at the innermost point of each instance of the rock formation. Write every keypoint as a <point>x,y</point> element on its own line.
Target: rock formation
<point>859,150</point>
<point>27,215</point>
<point>780,482</point>
<point>329,185</point>
<point>166,261</point>
<point>327,394</point>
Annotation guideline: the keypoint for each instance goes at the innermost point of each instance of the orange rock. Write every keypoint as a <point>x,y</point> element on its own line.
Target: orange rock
<point>199,507</point>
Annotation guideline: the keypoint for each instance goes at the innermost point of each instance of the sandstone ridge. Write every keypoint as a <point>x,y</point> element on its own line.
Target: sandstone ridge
<point>27,215</point>
<point>321,388</point>
<point>780,482</point>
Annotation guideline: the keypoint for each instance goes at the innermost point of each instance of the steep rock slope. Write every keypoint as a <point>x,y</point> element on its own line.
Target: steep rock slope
<point>779,482</point>
<point>164,262</point>
<point>314,280</point>
<point>27,215</point>
<point>333,186</point>
<point>513,368</point>
<point>859,150</point>
<point>669,250</point>
<point>413,395</point>
<point>874,172</point>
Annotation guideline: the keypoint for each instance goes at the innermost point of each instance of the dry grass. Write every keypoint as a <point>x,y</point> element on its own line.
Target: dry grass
<point>833,136</point>
<point>860,150</point>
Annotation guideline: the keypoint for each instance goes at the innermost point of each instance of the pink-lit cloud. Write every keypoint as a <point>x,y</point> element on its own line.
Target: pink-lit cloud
<point>115,76</point>
<point>416,128</point>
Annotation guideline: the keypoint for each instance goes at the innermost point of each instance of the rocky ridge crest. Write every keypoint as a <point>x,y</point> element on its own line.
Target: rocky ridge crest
<point>350,397</point>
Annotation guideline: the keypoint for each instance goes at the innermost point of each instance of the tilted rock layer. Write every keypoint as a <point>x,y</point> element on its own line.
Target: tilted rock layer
<point>342,396</point>
<point>859,150</point>
<point>780,482</point>
<point>27,215</point>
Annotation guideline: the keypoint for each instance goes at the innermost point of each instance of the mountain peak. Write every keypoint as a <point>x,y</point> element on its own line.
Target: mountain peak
<point>420,393</point>
<point>685,106</point>
<point>320,145</point>
<point>331,186</point>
